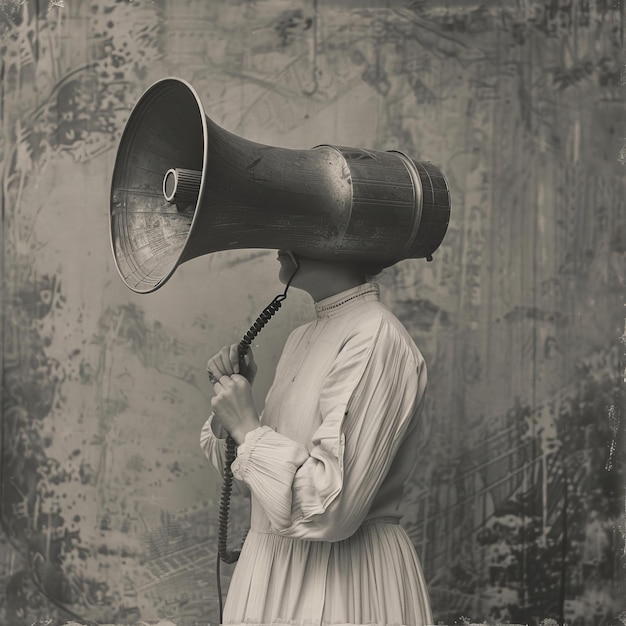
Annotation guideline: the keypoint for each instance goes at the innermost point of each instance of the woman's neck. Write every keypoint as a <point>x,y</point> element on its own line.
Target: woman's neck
<point>332,286</point>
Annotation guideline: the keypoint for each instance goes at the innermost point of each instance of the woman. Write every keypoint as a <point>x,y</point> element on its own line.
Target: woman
<point>326,463</point>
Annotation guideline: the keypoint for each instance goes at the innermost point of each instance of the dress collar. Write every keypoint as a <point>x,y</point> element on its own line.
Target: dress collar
<point>347,300</point>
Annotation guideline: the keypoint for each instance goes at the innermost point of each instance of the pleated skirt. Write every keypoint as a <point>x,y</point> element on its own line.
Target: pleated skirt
<point>374,577</point>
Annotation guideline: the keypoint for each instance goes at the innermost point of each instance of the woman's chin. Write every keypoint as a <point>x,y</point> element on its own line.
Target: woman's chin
<point>285,274</point>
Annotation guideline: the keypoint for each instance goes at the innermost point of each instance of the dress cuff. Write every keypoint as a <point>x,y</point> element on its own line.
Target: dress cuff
<point>244,451</point>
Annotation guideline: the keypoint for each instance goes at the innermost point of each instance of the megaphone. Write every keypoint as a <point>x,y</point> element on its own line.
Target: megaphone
<point>184,187</point>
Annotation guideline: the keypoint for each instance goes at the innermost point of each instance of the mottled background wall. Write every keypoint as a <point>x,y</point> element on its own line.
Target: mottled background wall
<point>516,501</point>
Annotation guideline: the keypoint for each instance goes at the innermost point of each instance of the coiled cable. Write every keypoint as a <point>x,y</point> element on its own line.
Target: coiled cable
<point>223,553</point>
<point>268,312</point>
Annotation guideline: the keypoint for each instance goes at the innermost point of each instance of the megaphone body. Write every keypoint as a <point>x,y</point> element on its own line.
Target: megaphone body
<point>184,187</point>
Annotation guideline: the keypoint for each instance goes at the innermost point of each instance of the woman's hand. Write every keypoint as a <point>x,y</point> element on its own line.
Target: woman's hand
<point>233,405</point>
<point>226,363</point>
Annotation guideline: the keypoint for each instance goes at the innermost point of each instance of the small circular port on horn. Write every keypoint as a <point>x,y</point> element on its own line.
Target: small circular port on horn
<point>181,186</point>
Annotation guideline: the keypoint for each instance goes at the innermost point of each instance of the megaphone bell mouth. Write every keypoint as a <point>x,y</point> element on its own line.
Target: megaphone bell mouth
<point>183,187</point>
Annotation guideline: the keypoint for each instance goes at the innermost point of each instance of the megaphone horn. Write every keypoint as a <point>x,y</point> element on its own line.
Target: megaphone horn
<point>184,187</point>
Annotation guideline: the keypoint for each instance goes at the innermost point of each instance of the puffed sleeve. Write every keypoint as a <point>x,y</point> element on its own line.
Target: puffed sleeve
<point>369,400</point>
<point>214,449</point>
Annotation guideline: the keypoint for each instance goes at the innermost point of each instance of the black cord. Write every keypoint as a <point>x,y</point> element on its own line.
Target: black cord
<point>227,486</point>
<point>223,554</point>
<point>268,312</point>
<point>218,575</point>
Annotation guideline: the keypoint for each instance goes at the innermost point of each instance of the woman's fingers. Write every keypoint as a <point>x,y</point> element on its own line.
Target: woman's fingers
<point>250,357</point>
<point>224,363</point>
<point>234,406</point>
<point>251,366</point>
<point>222,384</point>
<point>234,357</point>
<point>213,370</point>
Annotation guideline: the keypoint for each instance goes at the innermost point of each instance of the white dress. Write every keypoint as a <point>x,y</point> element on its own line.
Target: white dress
<point>325,470</point>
